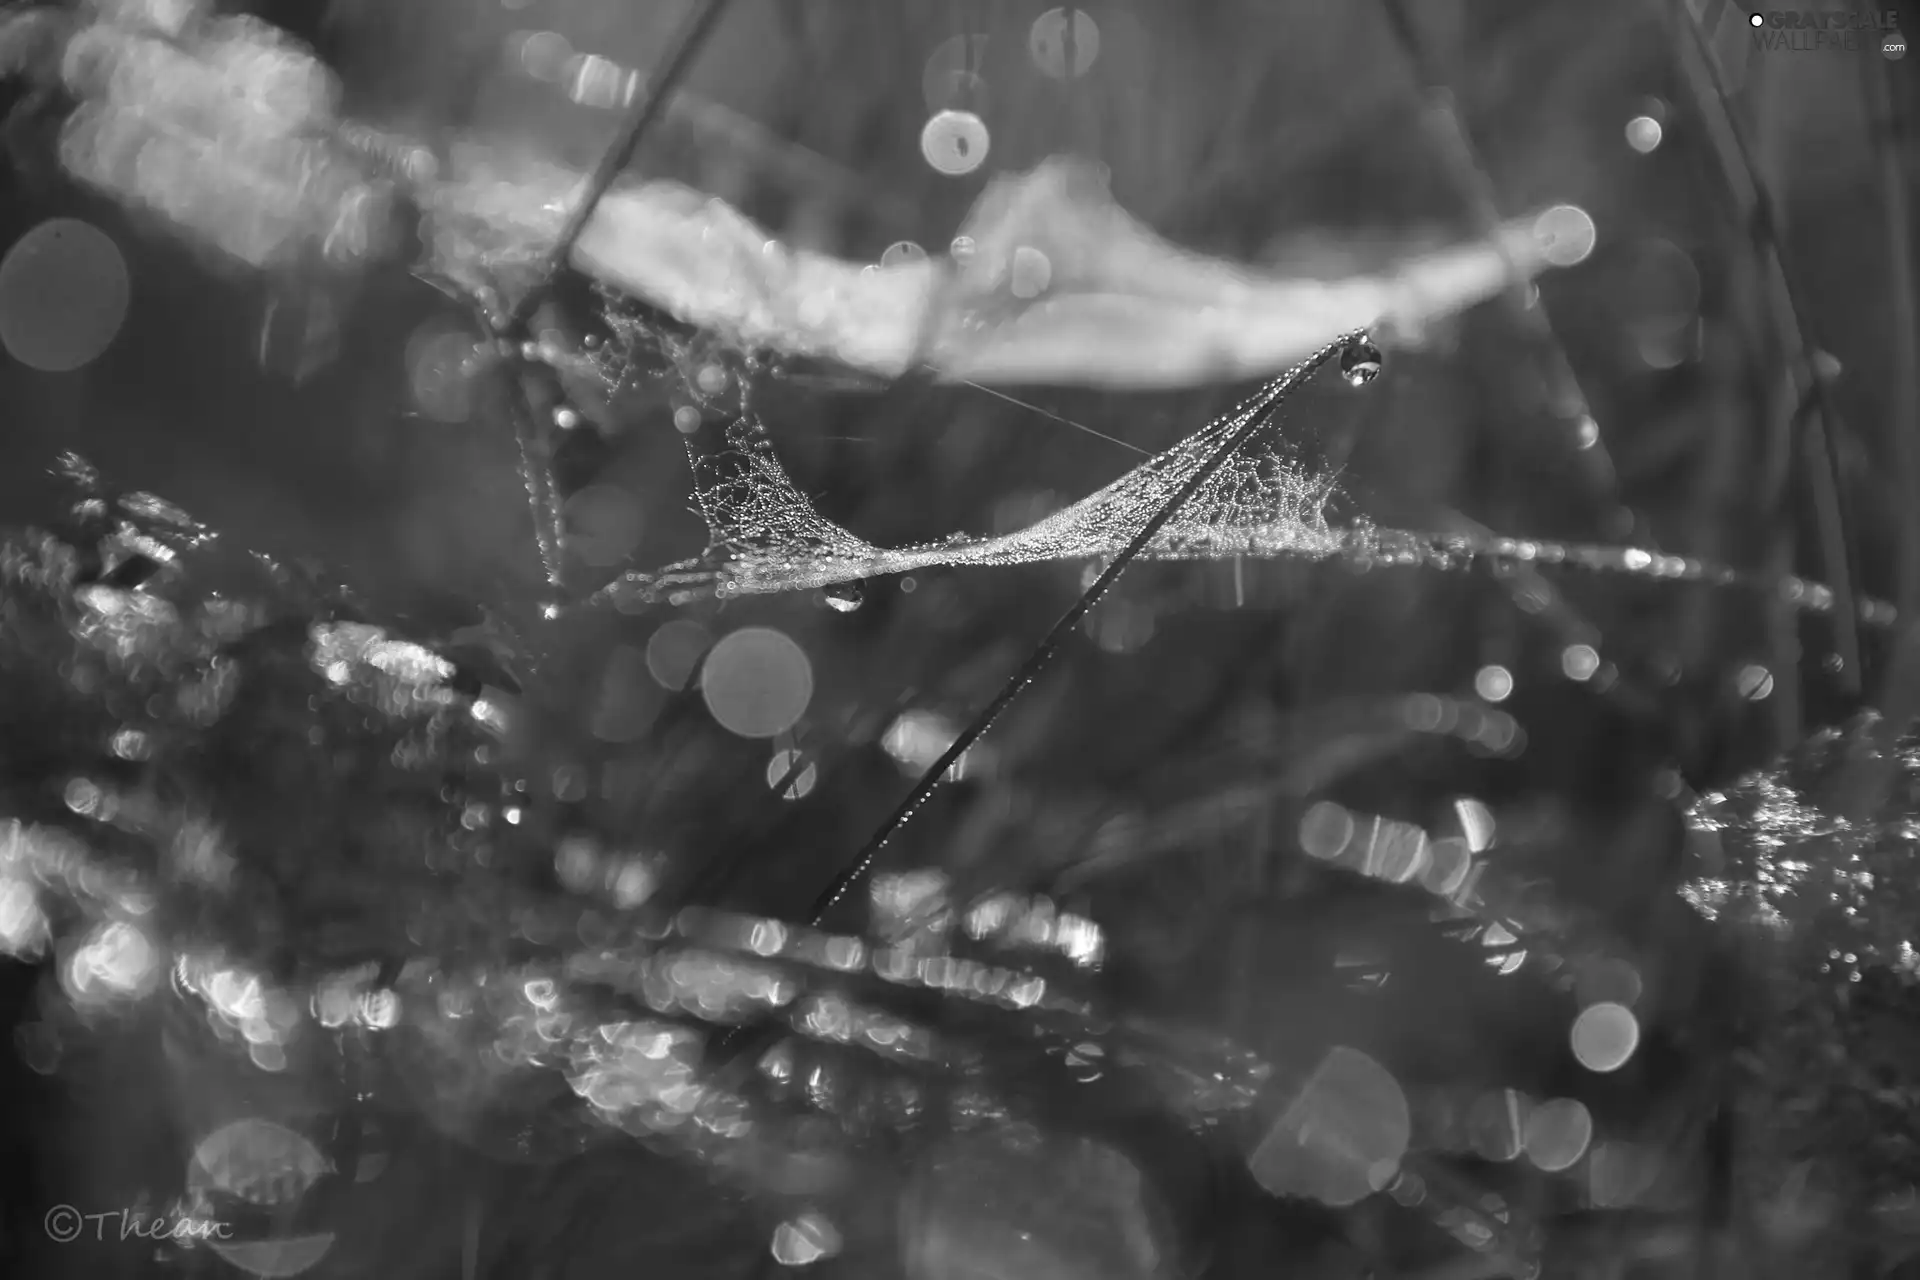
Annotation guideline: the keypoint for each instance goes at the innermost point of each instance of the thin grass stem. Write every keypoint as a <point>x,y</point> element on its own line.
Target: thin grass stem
<point>1256,414</point>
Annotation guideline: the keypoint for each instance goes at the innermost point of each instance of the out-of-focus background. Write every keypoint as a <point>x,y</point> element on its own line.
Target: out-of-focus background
<point>1175,767</point>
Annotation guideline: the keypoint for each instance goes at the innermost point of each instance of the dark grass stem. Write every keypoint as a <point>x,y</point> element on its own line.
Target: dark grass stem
<point>531,433</point>
<point>1870,782</point>
<point>1467,170</point>
<point>1789,313</point>
<point>1258,413</point>
<point>534,440</point>
<point>648,107</point>
<point>1890,118</point>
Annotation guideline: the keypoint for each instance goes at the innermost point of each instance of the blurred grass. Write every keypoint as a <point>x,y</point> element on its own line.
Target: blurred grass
<point>1242,128</point>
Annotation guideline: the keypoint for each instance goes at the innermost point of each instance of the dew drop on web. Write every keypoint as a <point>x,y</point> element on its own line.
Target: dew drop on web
<point>1360,362</point>
<point>845,597</point>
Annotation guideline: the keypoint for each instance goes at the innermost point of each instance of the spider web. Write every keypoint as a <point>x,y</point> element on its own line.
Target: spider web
<point>766,536</point>
<point>1265,502</point>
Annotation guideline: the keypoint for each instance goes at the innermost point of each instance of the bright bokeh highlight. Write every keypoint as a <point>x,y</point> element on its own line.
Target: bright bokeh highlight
<point>757,682</point>
<point>1604,1036</point>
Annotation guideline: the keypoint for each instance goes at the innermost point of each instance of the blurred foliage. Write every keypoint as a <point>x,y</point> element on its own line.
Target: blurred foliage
<point>1157,780</point>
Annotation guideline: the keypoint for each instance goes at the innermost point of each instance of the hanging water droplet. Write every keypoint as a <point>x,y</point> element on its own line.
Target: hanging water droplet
<point>903,252</point>
<point>955,143</point>
<point>845,597</point>
<point>1360,362</point>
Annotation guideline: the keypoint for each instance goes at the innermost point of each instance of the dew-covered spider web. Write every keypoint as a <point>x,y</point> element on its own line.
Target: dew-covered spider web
<point>1267,500</point>
<point>768,537</point>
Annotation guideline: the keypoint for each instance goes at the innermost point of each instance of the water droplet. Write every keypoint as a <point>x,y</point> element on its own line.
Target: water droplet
<point>1566,234</point>
<point>901,253</point>
<point>686,419</point>
<point>675,651</point>
<point>566,419</point>
<point>1493,683</point>
<point>1755,682</point>
<point>845,597</point>
<point>1604,1036</point>
<point>1579,662</point>
<point>798,772</point>
<point>951,78</point>
<point>1060,36</point>
<point>1360,362</point>
<point>955,143</point>
<point>1557,1134</point>
<point>544,55</point>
